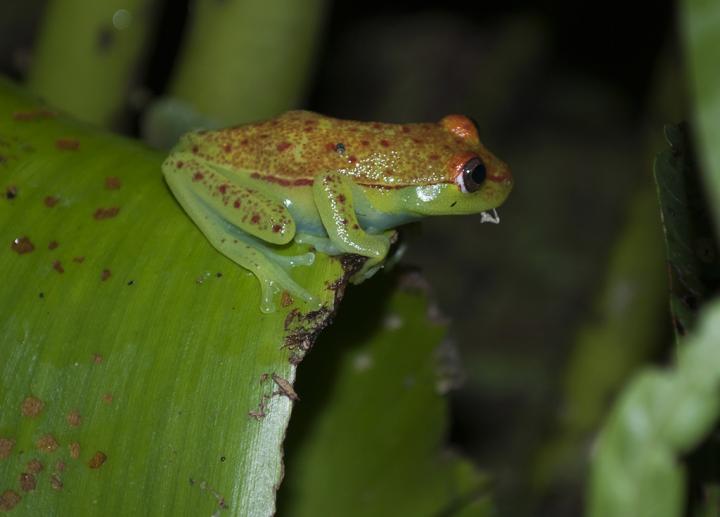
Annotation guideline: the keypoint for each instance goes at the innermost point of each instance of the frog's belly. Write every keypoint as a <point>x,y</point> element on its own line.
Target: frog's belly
<point>301,205</point>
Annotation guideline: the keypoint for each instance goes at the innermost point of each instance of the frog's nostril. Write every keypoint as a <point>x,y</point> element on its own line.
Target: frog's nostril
<point>502,175</point>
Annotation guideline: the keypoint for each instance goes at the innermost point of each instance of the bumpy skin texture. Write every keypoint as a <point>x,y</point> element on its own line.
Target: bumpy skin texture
<point>338,185</point>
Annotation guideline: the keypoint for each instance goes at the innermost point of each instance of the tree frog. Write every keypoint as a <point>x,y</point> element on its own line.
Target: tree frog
<point>339,186</point>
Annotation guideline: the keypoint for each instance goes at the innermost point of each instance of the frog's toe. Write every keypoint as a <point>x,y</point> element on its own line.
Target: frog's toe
<point>272,287</point>
<point>291,261</point>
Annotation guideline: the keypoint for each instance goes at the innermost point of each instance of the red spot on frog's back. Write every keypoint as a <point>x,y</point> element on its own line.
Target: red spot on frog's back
<point>67,144</point>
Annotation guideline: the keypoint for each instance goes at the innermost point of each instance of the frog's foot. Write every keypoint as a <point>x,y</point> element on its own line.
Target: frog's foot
<point>374,264</point>
<point>371,266</point>
<point>270,268</point>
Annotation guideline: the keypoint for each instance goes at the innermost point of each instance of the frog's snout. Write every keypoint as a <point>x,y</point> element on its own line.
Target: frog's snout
<point>502,176</point>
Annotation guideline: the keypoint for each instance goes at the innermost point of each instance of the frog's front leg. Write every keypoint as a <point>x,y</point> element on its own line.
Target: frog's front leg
<point>236,219</point>
<point>332,193</point>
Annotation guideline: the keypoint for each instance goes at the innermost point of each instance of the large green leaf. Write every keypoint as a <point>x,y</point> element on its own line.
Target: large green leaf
<point>137,374</point>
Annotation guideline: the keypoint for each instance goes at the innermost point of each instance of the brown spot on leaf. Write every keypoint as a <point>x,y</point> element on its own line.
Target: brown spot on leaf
<point>106,213</point>
<point>57,266</point>
<point>74,448</point>
<point>47,443</point>
<point>97,460</point>
<point>73,418</point>
<point>79,260</point>
<point>52,245</point>
<point>34,466</point>
<point>112,183</point>
<point>105,274</point>
<point>22,245</point>
<point>55,482</point>
<point>105,37</point>
<point>282,146</point>
<point>97,358</point>
<point>31,406</point>
<point>60,466</point>
<point>11,192</point>
<point>107,398</point>
<point>67,144</point>
<point>27,482</point>
<point>6,446</point>
<point>9,500</point>
<point>51,201</point>
<point>286,299</point>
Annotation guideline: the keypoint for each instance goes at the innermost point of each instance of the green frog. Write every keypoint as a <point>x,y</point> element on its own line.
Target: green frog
<point>339,186</point>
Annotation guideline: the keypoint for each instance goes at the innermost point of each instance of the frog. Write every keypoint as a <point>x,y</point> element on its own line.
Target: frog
<point>333,186</point>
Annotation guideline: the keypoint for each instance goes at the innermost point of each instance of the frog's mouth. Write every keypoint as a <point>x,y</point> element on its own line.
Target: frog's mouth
<point>448,199</point>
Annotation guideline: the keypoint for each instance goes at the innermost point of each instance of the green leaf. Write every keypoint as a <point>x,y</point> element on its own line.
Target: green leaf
<point>132,354</point>
<point>247,60</point>
<point>701,27</point>
<point>691,251</point>
<point>660,416</point>
<point>368,437</point>
<point>87,54</point>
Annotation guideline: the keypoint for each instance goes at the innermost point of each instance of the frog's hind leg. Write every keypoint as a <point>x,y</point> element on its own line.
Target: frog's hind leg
<point>269,267</point>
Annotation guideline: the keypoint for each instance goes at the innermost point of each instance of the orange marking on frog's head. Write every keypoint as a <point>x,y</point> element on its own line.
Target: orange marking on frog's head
<point>462,127</point>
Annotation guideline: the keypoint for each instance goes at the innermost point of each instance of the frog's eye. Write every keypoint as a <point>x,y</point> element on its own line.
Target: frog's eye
<point>472,175</point>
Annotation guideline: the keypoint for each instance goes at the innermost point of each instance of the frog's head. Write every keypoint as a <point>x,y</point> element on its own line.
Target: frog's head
<point>474,180</point>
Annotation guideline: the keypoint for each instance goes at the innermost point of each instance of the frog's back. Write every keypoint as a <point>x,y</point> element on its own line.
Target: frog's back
<point>293,148</point>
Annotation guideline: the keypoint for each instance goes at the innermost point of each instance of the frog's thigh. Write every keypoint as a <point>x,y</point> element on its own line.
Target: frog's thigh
<point>243,204</point>
<point>333,198</point>
<point>266,265</point>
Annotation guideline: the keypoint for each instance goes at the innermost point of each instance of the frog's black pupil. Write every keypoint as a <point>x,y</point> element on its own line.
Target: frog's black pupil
<point>478,173</point>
